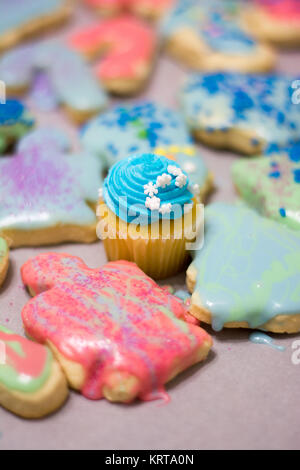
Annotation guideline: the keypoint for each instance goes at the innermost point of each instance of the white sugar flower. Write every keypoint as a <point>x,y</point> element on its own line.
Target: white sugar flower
<point>150,189</point>
<point>100,192</point>
<point>189,166</point>
<point>163,180</point>
<point>152,203</point>
<point>166,208</point>
<point>181,180</point>
<point>174,170</point>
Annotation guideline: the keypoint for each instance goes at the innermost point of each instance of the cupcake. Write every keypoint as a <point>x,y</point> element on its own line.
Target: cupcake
<point>147,214</point>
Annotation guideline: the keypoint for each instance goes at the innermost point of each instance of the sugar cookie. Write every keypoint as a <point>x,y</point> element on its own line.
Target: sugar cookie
<point>209,36</point>
<point>32,384</point>
<point>143,128</point>
<point>152,9</point>
<point>243,113</point>
<point>46,193</point>
<point>15,122</point>
<point>277,21</point>
<point>126,65</point>
<point>271,184</point>
<point>115,332</point>
<point>4,261</point>
<point>22,19</point>
<point>72,81</point>
<point>247,274</point>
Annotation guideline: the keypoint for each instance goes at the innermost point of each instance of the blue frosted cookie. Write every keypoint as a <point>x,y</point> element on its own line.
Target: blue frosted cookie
<point>247,274</point>
<point>15,122</point>
<point>243,113</point>
<point>143,128</point>
<point>210,36</point>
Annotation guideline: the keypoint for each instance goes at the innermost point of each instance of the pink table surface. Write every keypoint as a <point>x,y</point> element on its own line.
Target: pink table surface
<point>244,396</point>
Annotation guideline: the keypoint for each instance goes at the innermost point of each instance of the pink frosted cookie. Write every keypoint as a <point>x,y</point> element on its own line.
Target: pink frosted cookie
<point>115,332</point>
<point>148,8</point>
<point>277,21</point>
<point>129,47</point>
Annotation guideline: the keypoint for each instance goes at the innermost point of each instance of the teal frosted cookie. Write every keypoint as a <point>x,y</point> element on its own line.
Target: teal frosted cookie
<point>48,195</point>
<point>271,184</point>
<point>15,122</point>
<point>145,128</point>
<point>247,275</point>
<point>71,82</point>
<point>243,113</point>
<point>210,36</point>
<point>3,259</point>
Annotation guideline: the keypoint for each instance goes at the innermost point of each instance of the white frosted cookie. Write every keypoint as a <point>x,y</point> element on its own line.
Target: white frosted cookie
<point>239,112</point>
<point>210,36</point>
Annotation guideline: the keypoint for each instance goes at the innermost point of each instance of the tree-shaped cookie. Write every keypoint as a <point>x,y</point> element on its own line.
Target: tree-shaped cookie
<point>128,46</point>
<point>116,333</point>
<point>47,193</point>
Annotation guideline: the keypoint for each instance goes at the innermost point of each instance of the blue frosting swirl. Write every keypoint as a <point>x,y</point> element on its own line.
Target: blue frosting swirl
<point>127,178</point>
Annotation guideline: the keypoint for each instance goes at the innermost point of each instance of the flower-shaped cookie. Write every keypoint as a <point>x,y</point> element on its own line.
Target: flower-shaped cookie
<point>116,333</point>
<point>46,192</point>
